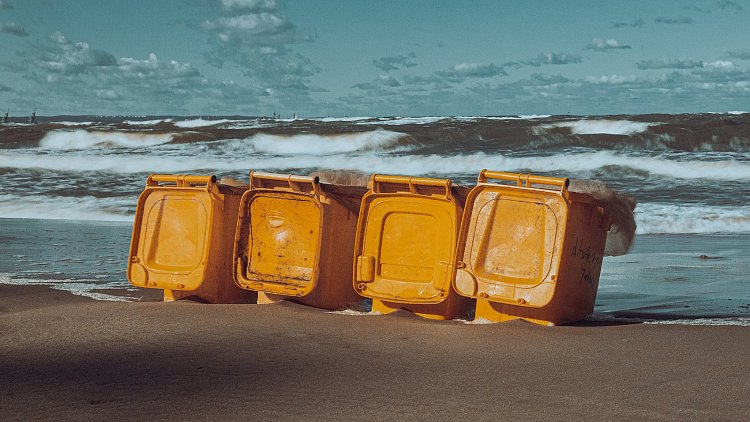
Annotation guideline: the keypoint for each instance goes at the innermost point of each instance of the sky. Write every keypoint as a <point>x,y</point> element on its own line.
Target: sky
<point>373,58</point>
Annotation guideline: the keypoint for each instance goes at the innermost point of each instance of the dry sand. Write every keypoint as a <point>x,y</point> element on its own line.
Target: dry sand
<point>65,357</point>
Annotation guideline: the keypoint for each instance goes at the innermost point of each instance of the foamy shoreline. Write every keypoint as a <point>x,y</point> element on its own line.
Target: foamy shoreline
<point>663,278</point>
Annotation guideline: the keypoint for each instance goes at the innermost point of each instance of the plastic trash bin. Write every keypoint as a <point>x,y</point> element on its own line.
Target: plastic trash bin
<point>406,245</point>
<point>183,237</point>
<point>530,250</point>
<point>295,240</point>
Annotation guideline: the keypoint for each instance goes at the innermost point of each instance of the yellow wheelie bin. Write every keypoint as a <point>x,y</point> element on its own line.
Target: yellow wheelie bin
<point>406,245</point>
<point>183,237</point>
<point>531,249</point>
<point>295,240</point>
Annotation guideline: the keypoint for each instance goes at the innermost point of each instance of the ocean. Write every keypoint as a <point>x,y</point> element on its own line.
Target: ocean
<point>70,185</point>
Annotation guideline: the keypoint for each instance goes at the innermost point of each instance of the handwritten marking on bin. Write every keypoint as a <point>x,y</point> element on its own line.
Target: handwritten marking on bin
<point>590,260</point>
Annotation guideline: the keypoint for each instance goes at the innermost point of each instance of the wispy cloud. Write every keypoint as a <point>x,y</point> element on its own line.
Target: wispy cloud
<point>258,39</point>
<point>381,82</point>
<point>600,44</point>
<point>729,6</point>
<point>712,85</point>
<point>4,88</point>
<point>6,5</point>
<point>613,79</point>
<point>463,71</point>
<point>86,78</point>
<point>681,63</point>
<point>13,28</point>
<point>674,21</point>
<point>634,24</point>
<point>550,57</point>
<point>739,54</point>
<point>395,62</point>
<point>721,5</point>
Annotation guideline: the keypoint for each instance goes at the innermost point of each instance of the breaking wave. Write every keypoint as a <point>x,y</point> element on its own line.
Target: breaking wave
<point>194,123</point>
<point>656,218</point>
<point>597,127</point>
<point>397,121</point>
<point>67,208</point>
<point>297,154</point>
<point>377,140</point>
<point>83,139</point>
<point>146,122</point>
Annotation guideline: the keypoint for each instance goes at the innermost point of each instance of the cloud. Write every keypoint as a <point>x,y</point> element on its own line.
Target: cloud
<point>463,71</point>
<point>599,44</point>
<point>739,54</point>
<point>4,88</point>
<point>445,79</point>
<point>62,59</point>
<point>422,80</point>
<point>635,24</point>
<point>681,63</point>
<point>553,58</point>
<point>729,5</point>
<point>674,21</point>
<point>395,62</point>
<point>388,87</point>
<point>378,84</point>
<point>86,79</point>
<point>610,79</point>
<point>13,29</point>
<point>252,27</point>
<point>251,6</point>
<point>716,85</point>
<point>5,5</point>
<point>256,38</point>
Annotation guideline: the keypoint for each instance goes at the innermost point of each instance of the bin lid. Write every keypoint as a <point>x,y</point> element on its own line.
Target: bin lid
<point>172,231</point>
<point>278,241</point>
<point>510,238</point>
<point>406,237</point>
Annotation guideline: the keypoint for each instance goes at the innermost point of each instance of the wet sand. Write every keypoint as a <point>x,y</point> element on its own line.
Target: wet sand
<point>66,357</point>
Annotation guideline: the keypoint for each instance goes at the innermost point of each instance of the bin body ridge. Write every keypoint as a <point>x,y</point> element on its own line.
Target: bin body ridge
<point>531,250</point>
<point>182,239</point>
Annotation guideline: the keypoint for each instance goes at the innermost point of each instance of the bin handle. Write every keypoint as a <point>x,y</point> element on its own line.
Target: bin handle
<point>524,180</point>
<point>412,182</point>
<point>181,180</point>
<point>294,181</point>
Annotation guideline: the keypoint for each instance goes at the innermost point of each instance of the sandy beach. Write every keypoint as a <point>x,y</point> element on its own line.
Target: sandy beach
<point>65,357</point>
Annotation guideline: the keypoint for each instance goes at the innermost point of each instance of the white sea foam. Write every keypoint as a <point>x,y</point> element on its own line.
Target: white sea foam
<point>310,144</point>
<point>146,122</point>
<point>596,127</point>
<point>65,123</point>
<point>730,321</point>
<point>83,139</point>
<point>66,208</point>
<point>397,121</point>
<point>231,157</point>
<point>731,113</point>
<point>76,287</point>
<point>247,125</point>
<point>669,218</point>
<point>739,321</point>
<point>340,119</point>
<point>519,117</point>
<point>194,123</point>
